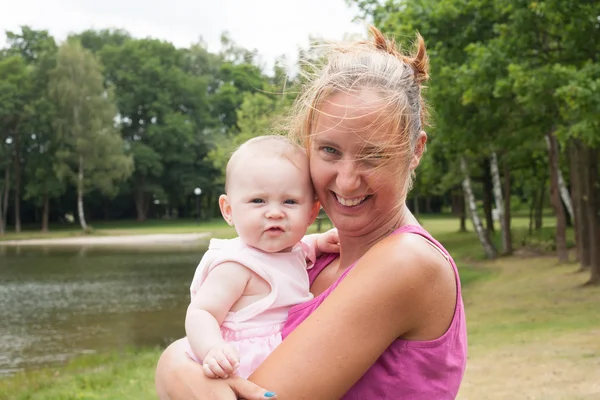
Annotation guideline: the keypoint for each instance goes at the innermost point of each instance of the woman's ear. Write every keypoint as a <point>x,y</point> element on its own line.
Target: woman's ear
<point>225,207</point>
<point>419,150</point>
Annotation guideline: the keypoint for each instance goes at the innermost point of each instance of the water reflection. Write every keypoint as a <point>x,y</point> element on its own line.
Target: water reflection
<point>59,302</point>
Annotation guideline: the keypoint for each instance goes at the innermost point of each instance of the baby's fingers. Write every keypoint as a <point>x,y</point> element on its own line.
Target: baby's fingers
<point>233,358</point>
<point>331,248</point>
<point>212,369</point>
<point>224,363</point>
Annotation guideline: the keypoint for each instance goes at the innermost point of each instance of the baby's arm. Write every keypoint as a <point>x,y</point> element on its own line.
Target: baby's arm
<point>221,289</point>
<point>328,242</point>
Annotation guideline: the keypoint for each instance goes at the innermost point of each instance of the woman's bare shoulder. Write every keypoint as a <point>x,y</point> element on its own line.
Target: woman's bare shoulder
<point>416,279</point>
<point>406,254</point>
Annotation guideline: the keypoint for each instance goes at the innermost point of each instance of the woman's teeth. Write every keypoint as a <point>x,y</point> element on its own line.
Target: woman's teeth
<point>350,202</point>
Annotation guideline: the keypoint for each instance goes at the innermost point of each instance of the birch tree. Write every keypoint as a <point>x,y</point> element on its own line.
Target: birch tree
<point>482,233</point>
<point>93,155</point>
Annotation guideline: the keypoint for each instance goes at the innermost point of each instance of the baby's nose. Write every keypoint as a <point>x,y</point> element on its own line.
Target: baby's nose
<point>274,213</point>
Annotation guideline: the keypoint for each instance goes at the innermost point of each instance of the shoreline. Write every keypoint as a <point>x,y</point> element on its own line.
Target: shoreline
<point>117,240</point>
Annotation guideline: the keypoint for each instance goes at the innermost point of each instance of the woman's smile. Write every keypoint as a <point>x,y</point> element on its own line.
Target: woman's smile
<point>350,201</point>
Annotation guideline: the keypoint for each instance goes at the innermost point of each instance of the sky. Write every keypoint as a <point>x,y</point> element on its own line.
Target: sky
<point>273,27</point>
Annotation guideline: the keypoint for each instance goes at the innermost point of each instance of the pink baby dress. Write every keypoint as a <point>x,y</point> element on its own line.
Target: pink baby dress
<point>255,330</point>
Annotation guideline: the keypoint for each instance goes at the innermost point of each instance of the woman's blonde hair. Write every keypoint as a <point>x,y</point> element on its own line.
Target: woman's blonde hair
<point>377,65</point>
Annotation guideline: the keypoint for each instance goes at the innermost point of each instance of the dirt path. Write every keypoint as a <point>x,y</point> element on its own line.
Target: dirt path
<point>534,333</point>
<point>137,240</point>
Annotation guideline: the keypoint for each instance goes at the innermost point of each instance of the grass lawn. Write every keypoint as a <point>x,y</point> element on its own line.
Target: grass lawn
<point>533,332</point>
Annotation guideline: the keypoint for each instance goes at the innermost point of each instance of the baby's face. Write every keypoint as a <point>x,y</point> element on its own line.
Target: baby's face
<point>271,202</point>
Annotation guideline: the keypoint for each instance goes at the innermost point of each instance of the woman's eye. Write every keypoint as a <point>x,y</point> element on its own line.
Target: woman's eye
<point>257,201</point>
<point>328,150</point>
<point>375,157</point>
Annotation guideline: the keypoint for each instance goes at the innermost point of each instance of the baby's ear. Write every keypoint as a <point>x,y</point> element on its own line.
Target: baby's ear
<point>225,207</point>
<point>314,212</point>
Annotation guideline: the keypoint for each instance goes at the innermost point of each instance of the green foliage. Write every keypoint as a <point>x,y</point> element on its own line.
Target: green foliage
<point>504,73</point>
<point>84,123</point>
<point>256,117</point>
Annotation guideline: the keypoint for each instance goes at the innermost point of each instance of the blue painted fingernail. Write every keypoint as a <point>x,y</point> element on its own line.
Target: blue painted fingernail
<point>270,394</point>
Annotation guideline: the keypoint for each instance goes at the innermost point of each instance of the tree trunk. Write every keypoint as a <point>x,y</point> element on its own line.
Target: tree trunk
<point>488,196</point>
<point>579,174</point>
<point>592,215</point>
<point>532,212</point>
<point>463,215</point>
<point>506,220</point>
<point>1,219</point>
<point>416,206</point>
<point>80,209</point>
<point>45,213</point>
<point>17,191</point>
<point>458,209</point>
<point>565,195</point>
<point>428,204</point>
<point>482,234</point>
<point>559,211</point>
<point>539,210</point>
<point>210,209</point>
<point>499,201</point>
<point>564,192</point>
<point>4,208</point>
<point>140,202</point>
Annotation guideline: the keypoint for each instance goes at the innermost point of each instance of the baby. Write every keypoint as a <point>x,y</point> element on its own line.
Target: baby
<point>243,287</point>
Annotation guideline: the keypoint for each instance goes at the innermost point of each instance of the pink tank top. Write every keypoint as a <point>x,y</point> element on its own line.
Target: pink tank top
<point>415,370</point>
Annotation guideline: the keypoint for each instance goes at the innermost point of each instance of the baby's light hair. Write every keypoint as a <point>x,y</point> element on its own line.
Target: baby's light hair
<point>376,65</point>
<point>266,146</point>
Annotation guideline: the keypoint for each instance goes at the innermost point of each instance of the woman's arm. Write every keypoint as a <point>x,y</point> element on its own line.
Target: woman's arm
<point>395,290</point>
<point>179,378</point>
<point>392,291</point>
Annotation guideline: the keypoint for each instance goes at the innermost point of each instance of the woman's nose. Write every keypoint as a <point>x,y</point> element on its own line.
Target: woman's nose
<point>348,177</point>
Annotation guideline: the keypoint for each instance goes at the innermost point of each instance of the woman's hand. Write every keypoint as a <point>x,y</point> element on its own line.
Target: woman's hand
<point>179,378</point>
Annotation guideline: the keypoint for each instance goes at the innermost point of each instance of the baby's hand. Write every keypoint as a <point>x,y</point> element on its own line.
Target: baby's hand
<point>328,242</point>
<point>221,361</point>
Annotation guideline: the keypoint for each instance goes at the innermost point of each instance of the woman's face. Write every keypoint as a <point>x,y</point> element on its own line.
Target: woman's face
<point>359,187</point>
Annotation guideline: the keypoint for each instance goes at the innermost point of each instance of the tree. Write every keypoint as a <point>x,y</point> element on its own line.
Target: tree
<point>156,94</point>
<point>33,47</point>
<point>14,87</point>
<point>93,153</point>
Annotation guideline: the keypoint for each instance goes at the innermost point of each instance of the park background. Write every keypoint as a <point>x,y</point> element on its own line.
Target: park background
<point>106,134</point>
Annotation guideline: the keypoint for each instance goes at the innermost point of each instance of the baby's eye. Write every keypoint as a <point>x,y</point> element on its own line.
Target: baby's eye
<point>290,201</point>
<point>257,201</point>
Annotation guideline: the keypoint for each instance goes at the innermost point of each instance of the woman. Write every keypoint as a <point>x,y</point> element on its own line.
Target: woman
<point>387,320</point>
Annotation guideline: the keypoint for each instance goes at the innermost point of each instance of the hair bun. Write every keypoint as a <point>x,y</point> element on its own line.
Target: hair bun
<point>419,62</point>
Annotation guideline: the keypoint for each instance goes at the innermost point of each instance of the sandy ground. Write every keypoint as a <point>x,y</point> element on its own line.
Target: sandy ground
<point>564,367</point>
<point>137,240</point>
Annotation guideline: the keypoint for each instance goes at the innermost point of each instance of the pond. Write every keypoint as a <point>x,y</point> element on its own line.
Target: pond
<point>56,303</point>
